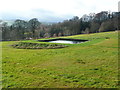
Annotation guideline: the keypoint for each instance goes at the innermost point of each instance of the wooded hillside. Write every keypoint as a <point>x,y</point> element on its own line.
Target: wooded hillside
<point>33,29</point>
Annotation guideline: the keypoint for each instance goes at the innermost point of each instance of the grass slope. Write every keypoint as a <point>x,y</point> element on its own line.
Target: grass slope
<point>86,65</point>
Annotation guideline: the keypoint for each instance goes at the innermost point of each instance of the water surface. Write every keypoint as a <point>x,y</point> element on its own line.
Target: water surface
<point>66,41</point>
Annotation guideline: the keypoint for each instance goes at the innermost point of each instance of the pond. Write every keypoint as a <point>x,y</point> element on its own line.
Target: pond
<point>64,40</point>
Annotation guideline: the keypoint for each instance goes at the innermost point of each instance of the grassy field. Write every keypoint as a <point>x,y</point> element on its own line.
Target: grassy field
<point>93,64</point>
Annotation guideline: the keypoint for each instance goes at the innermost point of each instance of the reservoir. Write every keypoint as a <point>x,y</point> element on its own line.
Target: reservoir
<point>64,40</point>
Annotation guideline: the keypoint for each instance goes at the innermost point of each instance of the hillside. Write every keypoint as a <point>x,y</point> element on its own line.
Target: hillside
<point>93,64</point>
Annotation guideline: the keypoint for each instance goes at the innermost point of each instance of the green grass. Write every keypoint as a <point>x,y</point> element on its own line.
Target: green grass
<point>93,64</point>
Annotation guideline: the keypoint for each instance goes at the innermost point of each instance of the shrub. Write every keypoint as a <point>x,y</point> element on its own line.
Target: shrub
<point>26,45</point>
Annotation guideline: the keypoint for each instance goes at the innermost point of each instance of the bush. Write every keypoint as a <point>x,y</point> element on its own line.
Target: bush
<point>26,45</point>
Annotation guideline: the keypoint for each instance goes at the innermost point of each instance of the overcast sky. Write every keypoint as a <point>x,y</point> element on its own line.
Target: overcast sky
<point>53,10</point>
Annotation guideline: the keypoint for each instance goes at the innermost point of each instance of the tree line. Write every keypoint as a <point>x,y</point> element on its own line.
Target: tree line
<point>33,29</point>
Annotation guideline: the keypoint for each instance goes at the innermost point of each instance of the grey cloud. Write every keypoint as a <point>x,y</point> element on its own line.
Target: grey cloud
<point>42,14</point>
